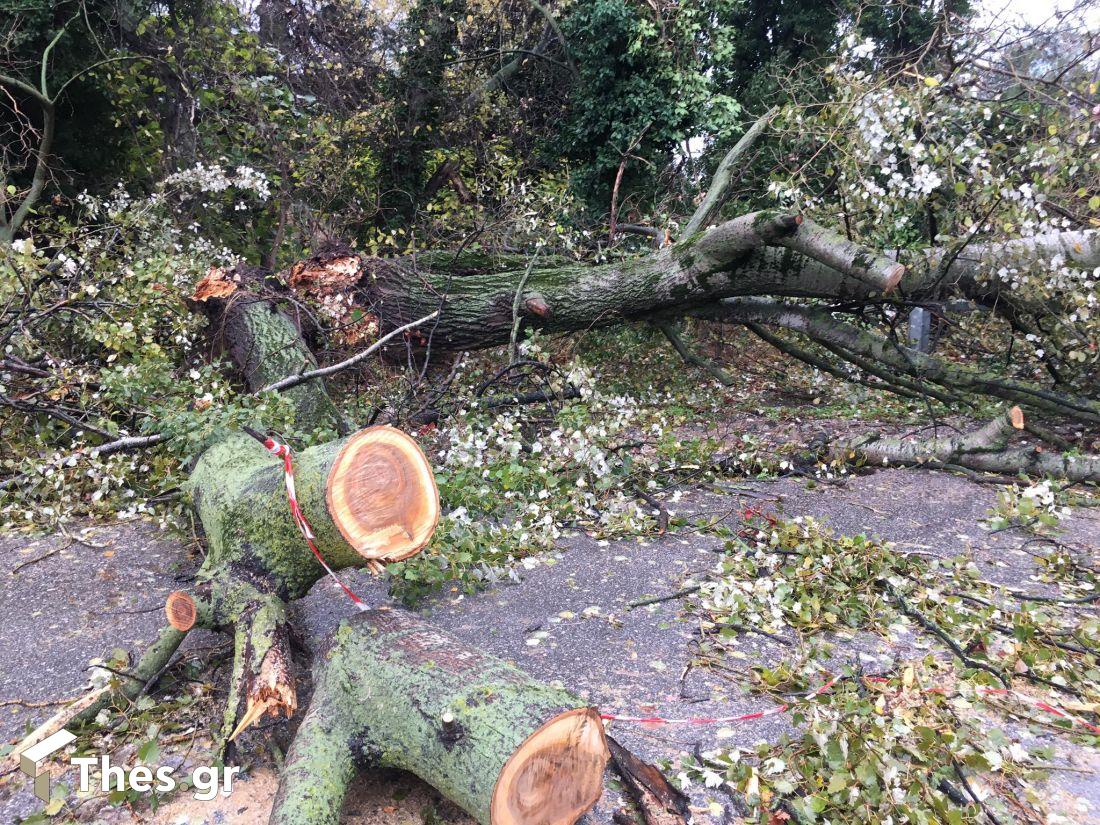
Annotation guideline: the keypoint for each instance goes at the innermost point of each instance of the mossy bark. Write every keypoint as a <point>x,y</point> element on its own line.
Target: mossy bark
<point>477,303</point>
<point>239,493</point>
<point>742,257</point>
<point>384,693</point>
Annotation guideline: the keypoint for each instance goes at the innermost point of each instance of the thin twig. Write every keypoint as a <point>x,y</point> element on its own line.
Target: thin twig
<point>323,372</point>
<point>35,560</point>
<point>939,632</point>
<point>679,594</point>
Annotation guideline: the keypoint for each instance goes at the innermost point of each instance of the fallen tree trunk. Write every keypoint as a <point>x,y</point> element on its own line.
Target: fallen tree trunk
<point>368,497</point>
<point>482,301</point>
<point>393,691</point>
<point>980,450</point>
<point>761,253</point>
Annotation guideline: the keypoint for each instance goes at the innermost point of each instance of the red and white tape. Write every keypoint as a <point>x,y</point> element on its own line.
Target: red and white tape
<point>717,720</point>
<point>1047,707</point>
<point>1023,698</point>
<point>283,452</point>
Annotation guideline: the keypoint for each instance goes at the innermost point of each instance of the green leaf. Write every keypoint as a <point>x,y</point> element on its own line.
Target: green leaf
<point>149,752</point>
<point>54,807</point>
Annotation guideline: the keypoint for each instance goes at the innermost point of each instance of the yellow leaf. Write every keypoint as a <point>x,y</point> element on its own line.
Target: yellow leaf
<point>931,82</point>
<point>908,677</point>
<point>752,787</point>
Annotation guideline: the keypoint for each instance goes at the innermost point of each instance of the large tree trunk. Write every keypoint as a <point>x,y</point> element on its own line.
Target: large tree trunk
<point>392,691</point>
<point>764,253</point>
<point>478,293</point>
<point>367,497</point>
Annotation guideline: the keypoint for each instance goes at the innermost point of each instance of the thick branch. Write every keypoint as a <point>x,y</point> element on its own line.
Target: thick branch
<point>820,325</point>
<point>672,333</point>
<point>723,175</point>
<point>833,249</point>
<point>982,449</point>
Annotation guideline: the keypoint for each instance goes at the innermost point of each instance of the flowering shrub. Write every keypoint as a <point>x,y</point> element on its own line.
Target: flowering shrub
<point>112,352</point>
<point>985,147</point>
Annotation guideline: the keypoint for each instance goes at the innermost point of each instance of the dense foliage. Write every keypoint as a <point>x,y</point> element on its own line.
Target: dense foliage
<point>147,145</point>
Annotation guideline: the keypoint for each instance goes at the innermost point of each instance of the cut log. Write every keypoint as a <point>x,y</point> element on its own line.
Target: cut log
<point>395,692</point>
<point>382,494</point>
<point>370,496</point>
<point>181,611</point>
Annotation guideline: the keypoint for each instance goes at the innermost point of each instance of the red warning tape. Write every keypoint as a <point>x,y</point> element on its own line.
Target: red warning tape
<point>283,452</point>
<point>1054,710</point>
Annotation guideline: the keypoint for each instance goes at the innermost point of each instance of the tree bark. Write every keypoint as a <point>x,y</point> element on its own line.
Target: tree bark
<point>475,293</point>
<point>392,691</point>
<point>370,496</point>
<point>763,253</point>
<point>981,450</point>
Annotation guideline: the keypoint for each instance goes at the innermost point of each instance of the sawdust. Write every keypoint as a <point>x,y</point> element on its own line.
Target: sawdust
<point>389,799</point>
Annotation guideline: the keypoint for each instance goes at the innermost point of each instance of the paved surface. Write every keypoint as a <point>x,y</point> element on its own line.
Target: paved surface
<point>97,589</point>
<point>68,600</point>
<point>568,620</point>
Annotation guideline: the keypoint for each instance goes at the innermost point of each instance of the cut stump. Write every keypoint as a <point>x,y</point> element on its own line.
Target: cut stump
<point>181,611</point>
<point>382,495</point>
